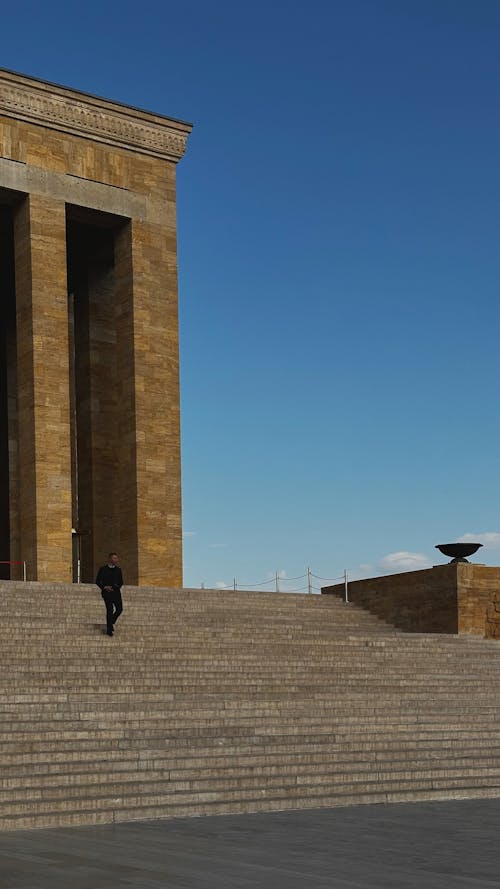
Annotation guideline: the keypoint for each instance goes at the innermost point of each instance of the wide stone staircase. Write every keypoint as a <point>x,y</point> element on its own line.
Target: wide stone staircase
<point>211,701</point>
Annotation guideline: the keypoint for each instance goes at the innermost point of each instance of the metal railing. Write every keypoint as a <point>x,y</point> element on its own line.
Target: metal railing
<point>16,562</point>
<point>303,583</point>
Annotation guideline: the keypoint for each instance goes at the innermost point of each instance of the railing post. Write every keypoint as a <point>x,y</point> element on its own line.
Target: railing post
<point>25,570</point>
<point>346,587</point>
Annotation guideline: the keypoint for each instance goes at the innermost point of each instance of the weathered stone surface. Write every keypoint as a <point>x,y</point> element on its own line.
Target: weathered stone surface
<point>230,702</point>
<point>454,598</point>
<point>71,111</point>
<point>64,154</point>
<point>42,387</point>
<point>478,587</point>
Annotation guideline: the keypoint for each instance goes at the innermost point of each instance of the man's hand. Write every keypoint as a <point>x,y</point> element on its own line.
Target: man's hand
<point>109,589</point>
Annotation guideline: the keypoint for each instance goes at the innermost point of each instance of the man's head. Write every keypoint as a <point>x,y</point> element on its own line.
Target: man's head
<point>113,559</point>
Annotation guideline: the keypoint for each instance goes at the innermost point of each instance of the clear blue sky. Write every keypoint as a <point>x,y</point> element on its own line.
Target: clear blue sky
<point>338,213</point>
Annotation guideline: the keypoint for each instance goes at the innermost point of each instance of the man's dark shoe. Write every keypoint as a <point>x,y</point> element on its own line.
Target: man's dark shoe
<point>109,632</point>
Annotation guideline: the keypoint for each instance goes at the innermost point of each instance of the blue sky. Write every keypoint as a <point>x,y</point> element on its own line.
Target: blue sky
<point>339,272</point>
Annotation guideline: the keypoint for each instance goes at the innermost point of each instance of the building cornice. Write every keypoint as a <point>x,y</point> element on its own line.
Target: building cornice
<point>80,114</point>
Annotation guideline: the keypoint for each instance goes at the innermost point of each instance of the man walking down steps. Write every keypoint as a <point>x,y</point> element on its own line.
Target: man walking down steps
<point>110,581</point>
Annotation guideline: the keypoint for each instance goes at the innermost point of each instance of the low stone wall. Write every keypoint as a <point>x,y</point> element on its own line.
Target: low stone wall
<point>478,590</point>
<point>454,598</point>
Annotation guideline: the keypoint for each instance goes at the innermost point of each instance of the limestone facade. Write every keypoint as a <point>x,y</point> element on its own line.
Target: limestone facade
<point>90,367</point>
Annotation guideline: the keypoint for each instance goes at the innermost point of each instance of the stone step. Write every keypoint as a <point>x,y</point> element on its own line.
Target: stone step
<point>263,804</point>
<point>95,764</point>
<point>172,683</point>
<point>170,699</point>
<point>155,783</point>
<point>114,668</point>
<point>131,696</point>
<point>383,708</point>
<point>94,810</point>
<point>108,650</point>
<point>64,730</point>
<point>170,679</point>
<point>148,745</point>
<point>180,748</point>
<point>320,769</point>
<point>231,702</point>
<point>236,688</point>
<point>338,676</point>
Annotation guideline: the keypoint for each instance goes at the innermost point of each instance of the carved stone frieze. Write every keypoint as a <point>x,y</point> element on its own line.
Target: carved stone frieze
<point>80,114</point>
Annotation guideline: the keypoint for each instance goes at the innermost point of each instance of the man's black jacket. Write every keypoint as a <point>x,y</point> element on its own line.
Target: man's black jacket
<point>107,576</point>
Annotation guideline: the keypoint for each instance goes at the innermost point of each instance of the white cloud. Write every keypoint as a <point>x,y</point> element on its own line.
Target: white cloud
<point>392,563</point>
<point>186,534</point>
<point>216,545</point>
<point>489,539</point>
<point>359,573</point>
<point>403,561</point>
<point>220,585</point>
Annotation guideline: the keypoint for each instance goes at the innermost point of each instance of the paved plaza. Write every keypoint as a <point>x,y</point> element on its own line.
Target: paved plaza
<point>436,845</point>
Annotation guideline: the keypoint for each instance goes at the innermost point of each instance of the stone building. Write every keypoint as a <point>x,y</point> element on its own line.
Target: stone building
<point>89,383</point>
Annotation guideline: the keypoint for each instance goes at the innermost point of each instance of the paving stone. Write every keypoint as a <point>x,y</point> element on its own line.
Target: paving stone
<point>432,845</point>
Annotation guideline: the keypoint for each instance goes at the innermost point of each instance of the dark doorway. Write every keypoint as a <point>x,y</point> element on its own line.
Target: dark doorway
<point>7,356</point>
<point>92,337</point>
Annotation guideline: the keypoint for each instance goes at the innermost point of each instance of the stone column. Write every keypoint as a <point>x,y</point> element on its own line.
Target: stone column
<point>148,371</point>
<point>43,388</point>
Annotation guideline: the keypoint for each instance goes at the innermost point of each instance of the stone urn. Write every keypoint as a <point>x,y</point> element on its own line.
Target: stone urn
<point>458,551</point>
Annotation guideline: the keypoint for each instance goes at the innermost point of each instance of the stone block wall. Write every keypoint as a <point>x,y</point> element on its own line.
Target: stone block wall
<point>63,153</point>
<point>417,601</point>
<point>453,598</point>
<point>478,589</point>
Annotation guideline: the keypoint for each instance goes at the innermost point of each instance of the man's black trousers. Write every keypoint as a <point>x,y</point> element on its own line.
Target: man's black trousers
<point>114,607</point>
